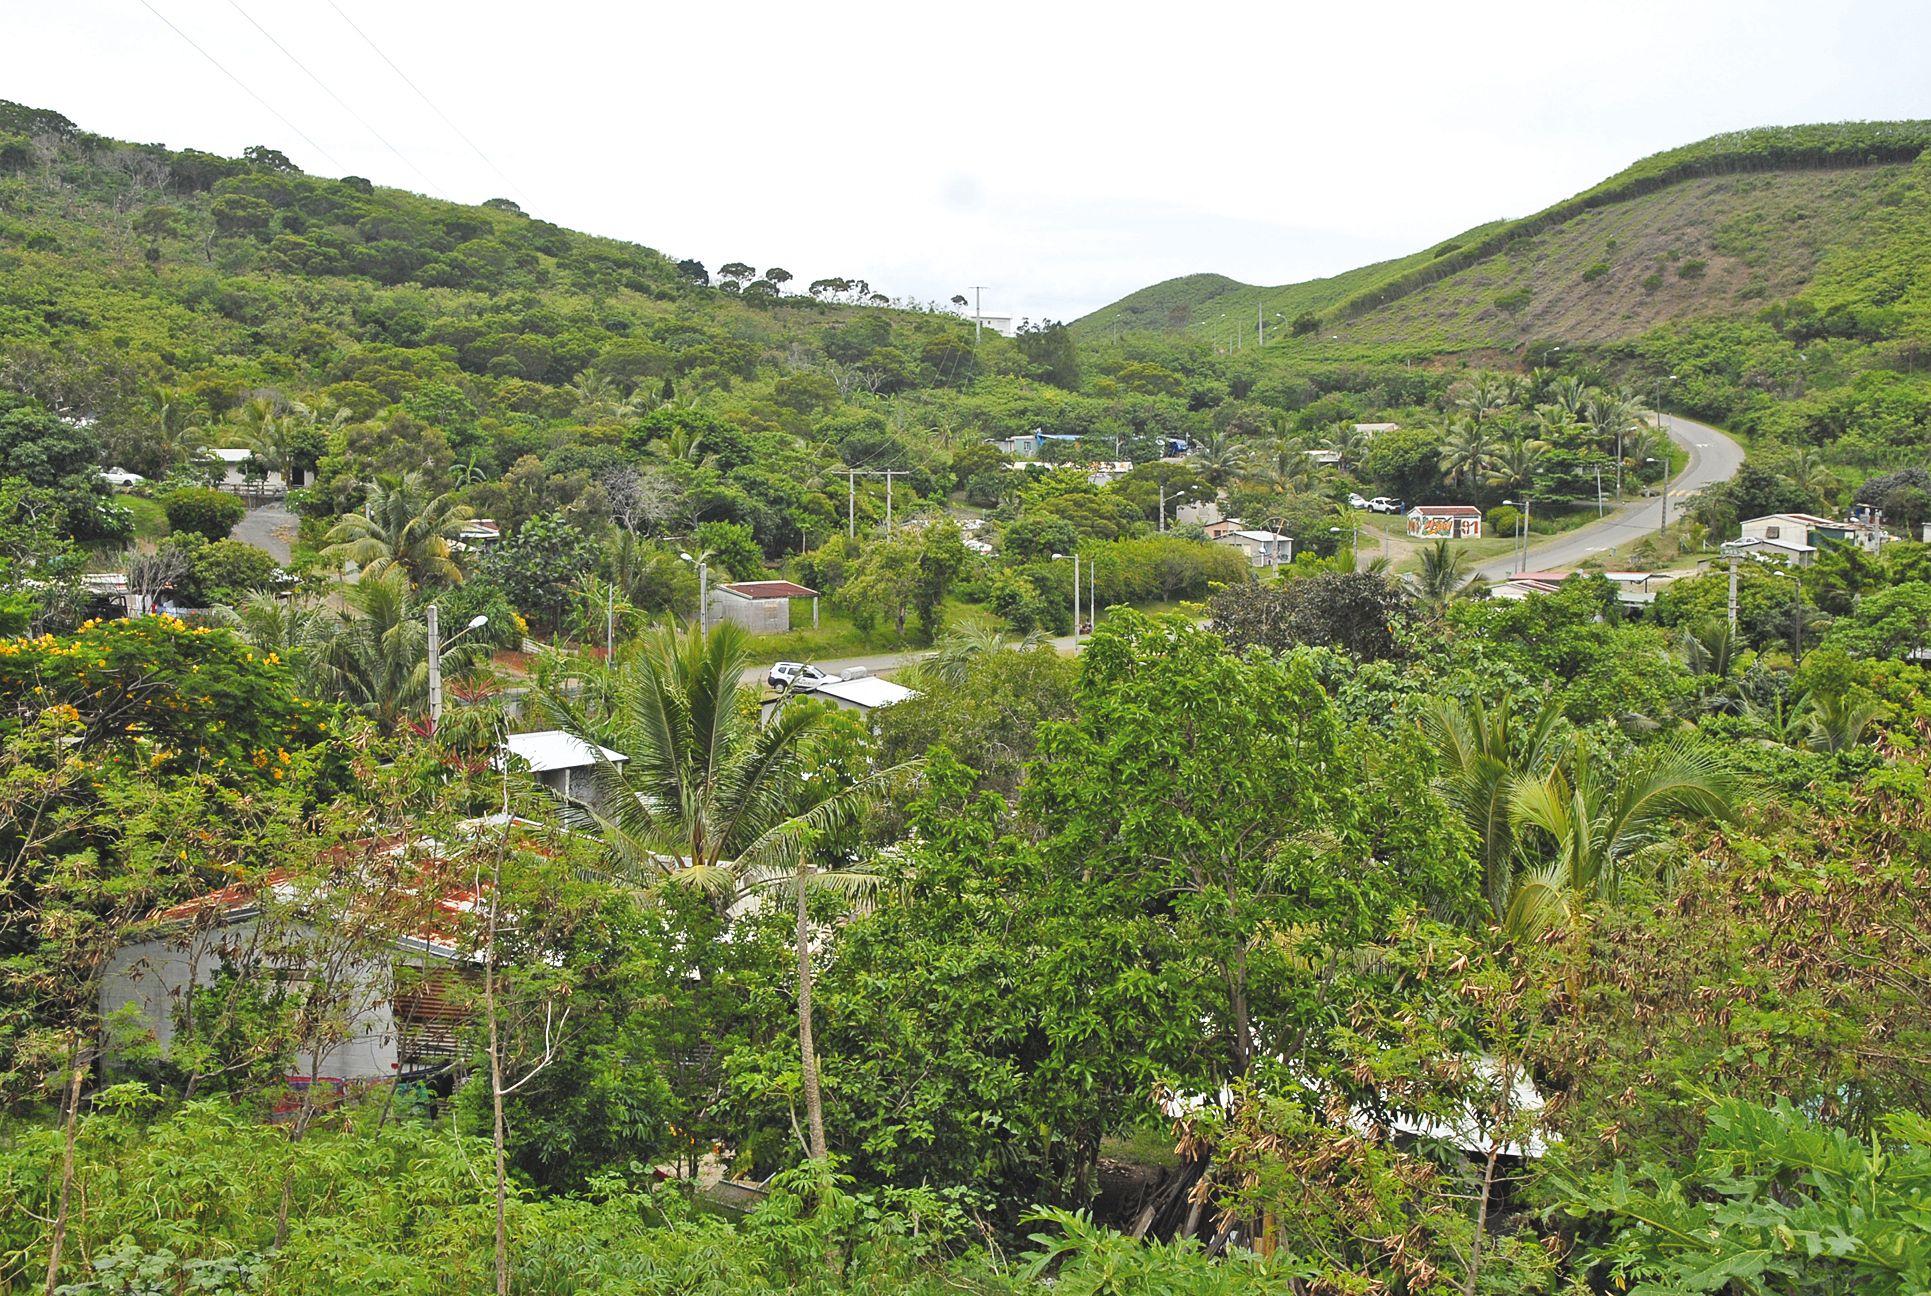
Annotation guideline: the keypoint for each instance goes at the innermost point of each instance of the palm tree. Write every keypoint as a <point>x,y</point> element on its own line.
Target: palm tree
<point>1346,440</point>
<point>1481,397</point>
<point>1570,395</point>
<point>710,798</point>
<point>402,525</point>
<point>970,643</point>
<point>1217,459</point>
<point>1468,452</point>
<point>1440,580</point>
<point>1581,825</point>
<point>1836,722</point>
<point>377,661</point>
<point>1515,465</point>
<point>1484,750</point>
<point>1812,476</point>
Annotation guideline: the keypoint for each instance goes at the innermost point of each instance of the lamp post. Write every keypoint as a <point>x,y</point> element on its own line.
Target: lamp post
<point>1522,533</point>
<point>1663,525</point>
<point>436,650</point>
<point>1796,608</point>
<point>703,592</point>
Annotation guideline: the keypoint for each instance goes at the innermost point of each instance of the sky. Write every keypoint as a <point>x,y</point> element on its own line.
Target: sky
<point>1061,154</point>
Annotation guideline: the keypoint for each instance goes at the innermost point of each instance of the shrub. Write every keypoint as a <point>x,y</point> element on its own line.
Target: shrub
<point>1502,520</point>
<point>1652,282</point>
<point>1692,269</point>
<point>204,511</point>
<point>1514,299</point>
<point>1594,272</point>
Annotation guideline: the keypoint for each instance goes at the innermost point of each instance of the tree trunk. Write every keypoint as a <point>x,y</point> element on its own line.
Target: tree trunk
<point>496,1100</point>
<point>807,1049</point>
<point>76,1074</point>
<point>1481,1218</point>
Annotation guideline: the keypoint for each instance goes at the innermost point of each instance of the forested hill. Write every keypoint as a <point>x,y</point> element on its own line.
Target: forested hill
<point>149,289</point>
<point>1714,229</point>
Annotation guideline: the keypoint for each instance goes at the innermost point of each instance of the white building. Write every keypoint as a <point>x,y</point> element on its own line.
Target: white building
<point>399,1009</point>
<point>562,762</point>
<point>760,607</point>
<point>865,694</point>
<point>1263,548</point>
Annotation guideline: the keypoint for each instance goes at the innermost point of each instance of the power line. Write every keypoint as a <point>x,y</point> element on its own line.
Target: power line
<point>238,81</point>
<point>347,107</point>
<point>426,99</point>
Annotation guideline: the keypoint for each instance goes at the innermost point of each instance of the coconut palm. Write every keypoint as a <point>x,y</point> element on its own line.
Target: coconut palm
<point>1347,441</point>
<point>1480,397</point>
<point>377,660</point>
<point>282,626</point>
<point>403,526</point>
<point>1837,722</point>
<point>1582,824</point>
<point>970,643</point>
<point>1441,579</point>
<point>1812,476</point>
<point>1484,750</point>
<point>1570,395</point>
<point>712,799</point>
<point>1218,459</point>
<point>1514,466</point>
<point>1468,453</point>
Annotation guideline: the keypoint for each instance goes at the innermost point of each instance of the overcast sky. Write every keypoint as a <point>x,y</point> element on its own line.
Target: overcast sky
<point>1062,154</point>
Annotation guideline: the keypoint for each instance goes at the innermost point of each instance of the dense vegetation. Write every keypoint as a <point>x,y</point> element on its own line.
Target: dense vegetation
<point>1367,935</point>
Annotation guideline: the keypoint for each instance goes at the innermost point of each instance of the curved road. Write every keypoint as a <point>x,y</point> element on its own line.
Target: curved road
<point>1714,457</point>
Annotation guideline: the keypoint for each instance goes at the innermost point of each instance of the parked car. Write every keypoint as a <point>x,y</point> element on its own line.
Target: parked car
<point>121,477</point>
<point>1382,504</point>
<point>795,676</point>
<point>1357,501</point>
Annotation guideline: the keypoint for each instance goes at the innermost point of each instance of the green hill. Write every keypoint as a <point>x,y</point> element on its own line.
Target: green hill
<point>1714,229</point>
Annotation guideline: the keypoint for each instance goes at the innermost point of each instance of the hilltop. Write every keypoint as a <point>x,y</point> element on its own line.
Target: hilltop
<point>1717,229</point>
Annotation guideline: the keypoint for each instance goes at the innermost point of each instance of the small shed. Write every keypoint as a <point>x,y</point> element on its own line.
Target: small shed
<point>760,607</point>
<point>1445,522</point>
<point>562,762</point>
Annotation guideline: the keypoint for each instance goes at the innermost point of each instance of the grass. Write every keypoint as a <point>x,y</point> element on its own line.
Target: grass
<point>837,637</point>
<point>150,519</point>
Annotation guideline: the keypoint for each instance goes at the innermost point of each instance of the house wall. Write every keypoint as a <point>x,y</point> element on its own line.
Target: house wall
<point>151,979</point>
<point>756,616</point>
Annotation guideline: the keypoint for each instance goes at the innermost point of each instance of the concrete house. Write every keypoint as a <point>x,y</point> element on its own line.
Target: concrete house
<point>562,762</point>
<point>1263,548</point>
<point>400,1009</point>
<point>1793,538</point>
<point>760,607</point>
<point>1445,522</point>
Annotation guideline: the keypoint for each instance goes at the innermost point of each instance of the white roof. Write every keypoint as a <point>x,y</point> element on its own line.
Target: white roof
<point>232,454</point>
<point>553,749</point>
<point>1260,535</point>
<point>869,691</point>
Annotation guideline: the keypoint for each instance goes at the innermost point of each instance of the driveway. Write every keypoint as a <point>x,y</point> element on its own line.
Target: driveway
<point>270,526</point>
<point>1714,458</point>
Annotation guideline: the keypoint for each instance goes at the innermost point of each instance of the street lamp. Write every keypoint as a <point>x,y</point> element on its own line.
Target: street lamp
<point>1522,522</point>
<point>1354,542</point>
<point>1667,463</point>
<point>1796,608</point>
<point>436,650</point>
<point>703,592</point>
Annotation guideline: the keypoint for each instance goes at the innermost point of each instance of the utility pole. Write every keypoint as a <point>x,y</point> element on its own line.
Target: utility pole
<point>609,623</point>
<point>1075,602</point>
<point>1163,503</point>
<point>1260,327</point>
<point>1598,490</point>
<point>1733,593</point>
<point>978,312</point>
<point>435,669</point>
<point>851,503</point>
<point>888,500</point>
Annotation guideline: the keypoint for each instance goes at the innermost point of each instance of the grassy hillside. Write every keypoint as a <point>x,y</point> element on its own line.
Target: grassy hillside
<point>1198,302</point>
<point>1714,228</point>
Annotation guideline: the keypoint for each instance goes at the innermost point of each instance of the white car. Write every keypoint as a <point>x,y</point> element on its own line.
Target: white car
<point>795,676</point>
<point>1357,501</point>
<point>121,477</point>
<point>1382,504</point>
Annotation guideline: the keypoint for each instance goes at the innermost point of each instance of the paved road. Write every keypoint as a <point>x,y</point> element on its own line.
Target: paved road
<point>1714,457</point>
<point>268,526</point>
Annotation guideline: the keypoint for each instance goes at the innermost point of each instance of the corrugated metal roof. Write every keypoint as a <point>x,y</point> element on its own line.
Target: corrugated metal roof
<point>553,749</point>
<point>771,589</point>
<point>870,691</point>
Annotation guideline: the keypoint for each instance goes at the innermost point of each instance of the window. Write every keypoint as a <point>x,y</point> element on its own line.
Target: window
<point>1771,532</point>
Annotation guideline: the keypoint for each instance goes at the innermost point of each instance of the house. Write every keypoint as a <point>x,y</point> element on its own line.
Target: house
<point>1263,548</point>
<point>1639,589</point>
<point>1808,529</point>
<point>398,1005</point>
<point>235,461</point>
<point>1003,325</point>
<point>1789,552</point>
<point>865,694</point>
<point>1204,513</point>
<point>760,607</point>
<point>480,531</point>
<point>562,762</point>
<point>1323,458</point>
<point>1524,584</point>
<point>1031,444</point>
<point>1445,522</point>
<point>1220,528</point>
<point>1372,430</point>
<point>1108,471</point>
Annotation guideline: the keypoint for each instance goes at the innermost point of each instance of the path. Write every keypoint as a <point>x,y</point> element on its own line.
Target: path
<point>1714,458</point>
